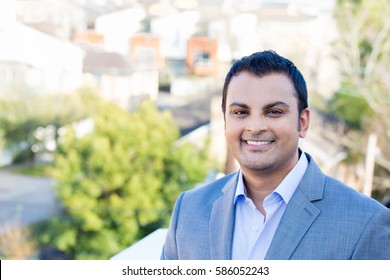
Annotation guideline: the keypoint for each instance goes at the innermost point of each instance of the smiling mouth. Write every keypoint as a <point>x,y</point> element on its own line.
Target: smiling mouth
<point>258,143</point>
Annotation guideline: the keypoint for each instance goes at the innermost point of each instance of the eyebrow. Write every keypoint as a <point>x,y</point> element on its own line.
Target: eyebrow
<point>265,107</point>
<point>274,104</point>
<point>242,105</point>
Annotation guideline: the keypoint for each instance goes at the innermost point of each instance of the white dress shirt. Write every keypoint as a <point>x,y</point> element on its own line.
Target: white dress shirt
<point>253,232</point>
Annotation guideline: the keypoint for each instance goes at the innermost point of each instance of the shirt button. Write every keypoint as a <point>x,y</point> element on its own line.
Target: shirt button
<point>256,228</point>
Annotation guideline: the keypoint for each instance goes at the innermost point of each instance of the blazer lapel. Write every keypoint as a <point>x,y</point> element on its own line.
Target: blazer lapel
<point>299,215</point>
<point>222,222</point>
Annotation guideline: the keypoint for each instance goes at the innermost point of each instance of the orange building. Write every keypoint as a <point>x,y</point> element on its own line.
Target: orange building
<point>201,56</point>
<point>146,47</point>
<point>90,37</point>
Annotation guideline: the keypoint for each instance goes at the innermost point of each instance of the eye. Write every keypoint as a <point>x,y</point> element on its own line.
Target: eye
<point>240,113</point>
<point>275,113</point>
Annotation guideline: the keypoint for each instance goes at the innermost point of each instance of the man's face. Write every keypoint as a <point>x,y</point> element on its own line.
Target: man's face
<point>262,123</point>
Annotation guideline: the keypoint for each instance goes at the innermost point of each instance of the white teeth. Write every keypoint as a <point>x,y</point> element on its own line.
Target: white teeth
<point>258,142</point>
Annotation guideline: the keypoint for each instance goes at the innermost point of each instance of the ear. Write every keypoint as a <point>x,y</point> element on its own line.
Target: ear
<point>304,120</point>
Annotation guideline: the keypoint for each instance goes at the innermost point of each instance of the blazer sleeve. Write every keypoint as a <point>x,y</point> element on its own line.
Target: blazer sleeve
<point>169,251</point>
<point>374,243</point>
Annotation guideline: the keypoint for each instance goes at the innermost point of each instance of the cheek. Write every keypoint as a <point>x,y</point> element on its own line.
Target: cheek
<point>228,134</point>
<point>287,130</point>
<point>232,130</point>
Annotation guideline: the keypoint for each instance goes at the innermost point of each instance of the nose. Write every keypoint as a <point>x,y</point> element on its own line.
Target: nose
<point>256,124</point>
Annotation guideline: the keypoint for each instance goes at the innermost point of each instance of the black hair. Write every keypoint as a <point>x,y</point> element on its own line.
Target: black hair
<point>267,62</point>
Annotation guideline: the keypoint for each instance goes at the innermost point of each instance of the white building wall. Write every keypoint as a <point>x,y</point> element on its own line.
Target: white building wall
<point>124,90</point>
<point>59,63</point>
<point>7,14</point>
<point>117,29</point>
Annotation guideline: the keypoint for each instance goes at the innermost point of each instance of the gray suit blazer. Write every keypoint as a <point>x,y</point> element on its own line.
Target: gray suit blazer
<point>324,220</point>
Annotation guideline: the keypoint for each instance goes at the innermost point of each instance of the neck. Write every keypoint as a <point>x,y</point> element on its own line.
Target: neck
<point>260,183</point>
<point>258,186</point>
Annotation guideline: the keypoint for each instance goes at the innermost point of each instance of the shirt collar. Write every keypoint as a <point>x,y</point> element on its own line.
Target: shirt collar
<point>287,187</point>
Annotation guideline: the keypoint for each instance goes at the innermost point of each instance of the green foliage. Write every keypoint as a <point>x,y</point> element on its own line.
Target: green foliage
<point>22,114</point>
<point>364,37</point>
<point>348,105</point>
<point>363,51</point>
<point>2,139</point>
<point>38,170</point>
<point>120,181</point>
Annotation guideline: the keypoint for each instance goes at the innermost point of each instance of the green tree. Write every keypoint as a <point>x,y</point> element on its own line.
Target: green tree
<point>363,50</point>
<point>120,181</point>
<point>347,104</point>
<point>22,114</point>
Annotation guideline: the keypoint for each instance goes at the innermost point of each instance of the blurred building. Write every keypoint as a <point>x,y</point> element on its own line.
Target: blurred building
<point>201,56</point>
<point>300,29</point>
<point>118,27</point>
<point>146,47</point>
<point>122,79</point>
<point>34,61</point>
<point>89,37</point>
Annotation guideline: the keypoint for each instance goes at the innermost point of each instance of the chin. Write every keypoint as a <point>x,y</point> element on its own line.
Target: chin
<point>255,166</point>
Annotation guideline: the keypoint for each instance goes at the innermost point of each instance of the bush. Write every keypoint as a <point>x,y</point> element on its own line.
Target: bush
<point>120,182</point>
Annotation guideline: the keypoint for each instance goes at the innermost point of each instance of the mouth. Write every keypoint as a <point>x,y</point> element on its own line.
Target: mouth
<point>258,145</point>
<point>258,142</point>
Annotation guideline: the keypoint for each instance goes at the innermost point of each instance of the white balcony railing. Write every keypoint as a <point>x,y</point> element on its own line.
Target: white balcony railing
<point>148,248</point>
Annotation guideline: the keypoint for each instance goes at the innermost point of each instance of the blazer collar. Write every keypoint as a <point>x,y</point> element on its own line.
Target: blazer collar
<point>222,222</point>
<point>313,182</point>
<point>299,215</point>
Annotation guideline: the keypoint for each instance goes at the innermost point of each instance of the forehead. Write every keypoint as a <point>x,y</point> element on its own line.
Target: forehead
<point>248,88</point>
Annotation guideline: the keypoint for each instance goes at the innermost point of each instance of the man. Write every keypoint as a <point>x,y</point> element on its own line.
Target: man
<point>279,205</point>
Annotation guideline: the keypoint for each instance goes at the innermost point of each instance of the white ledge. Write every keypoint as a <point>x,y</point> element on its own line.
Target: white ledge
<point>148,248</point>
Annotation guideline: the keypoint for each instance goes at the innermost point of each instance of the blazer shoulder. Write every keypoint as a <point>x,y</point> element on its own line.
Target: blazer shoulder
<point>330,191</point>
<point>349,195</point>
